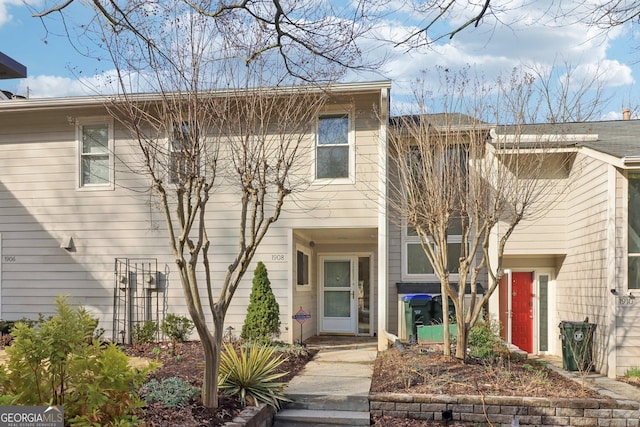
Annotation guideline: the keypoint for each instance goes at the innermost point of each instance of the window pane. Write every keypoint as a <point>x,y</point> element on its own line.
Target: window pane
<point>417,262</point>
<point>333,162</point>
<point>95,139</point>
<point>544,313</point>
<point>634,273</point>
<point>302,268</point>
<point>95,170</point>
<point>337,304</point>
<point>453,257</point>
<point>411,231</point>
<point>337,274</point>
<point>333,130</point>
<point>634,213</point>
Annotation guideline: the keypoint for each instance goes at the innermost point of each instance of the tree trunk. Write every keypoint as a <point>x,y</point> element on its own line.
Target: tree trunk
<point>212,346</point>
<point>463,338</point>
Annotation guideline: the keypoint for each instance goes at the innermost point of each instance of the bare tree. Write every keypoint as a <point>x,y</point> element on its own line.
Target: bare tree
<point>197,146</point>
<point>211,128</point>
<point>457,184</point>
<point>311,39</point>
<point>566,95</point>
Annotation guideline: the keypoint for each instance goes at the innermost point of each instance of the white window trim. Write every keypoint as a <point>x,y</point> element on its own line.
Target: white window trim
<point>351,137</point>
<point>305,250</point>
<point>625,243</point>
<point>83,121</point>
<point>405,241</point>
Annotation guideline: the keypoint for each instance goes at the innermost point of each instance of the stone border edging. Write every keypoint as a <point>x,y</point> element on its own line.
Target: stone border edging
<point>529,411</point>
<point>253,416</point>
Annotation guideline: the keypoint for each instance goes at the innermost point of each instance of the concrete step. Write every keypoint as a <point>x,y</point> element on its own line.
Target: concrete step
<point>309,417</point>
<point>331,403</point>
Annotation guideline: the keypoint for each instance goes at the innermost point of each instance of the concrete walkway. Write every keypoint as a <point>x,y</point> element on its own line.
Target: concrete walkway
<point>333,388</point>
<point>604,385</point>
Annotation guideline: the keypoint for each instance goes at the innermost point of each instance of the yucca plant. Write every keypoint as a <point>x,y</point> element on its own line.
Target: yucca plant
<point>251,375</point>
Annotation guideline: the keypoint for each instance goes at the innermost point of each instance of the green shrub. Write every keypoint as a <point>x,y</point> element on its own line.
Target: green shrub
<point>485,343</point>
<point>250,374</point>
<point>144,332</point>
<point>170,392</point>
<point>263,313</point>
<point>58,363</point>
<point>632,373</point>
<point>177,327</point>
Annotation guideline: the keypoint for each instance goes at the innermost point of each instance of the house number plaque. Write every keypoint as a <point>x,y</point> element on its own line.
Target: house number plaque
<point>626,300</point>
<point>278,258</point>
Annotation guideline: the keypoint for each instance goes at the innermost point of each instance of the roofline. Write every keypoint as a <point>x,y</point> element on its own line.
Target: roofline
<point>98,100</point>
<point>631,160</point>
<point>10,68</point>
<point>543,137</point>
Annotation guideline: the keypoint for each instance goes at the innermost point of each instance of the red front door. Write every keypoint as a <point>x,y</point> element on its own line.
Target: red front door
<point>522,310</point>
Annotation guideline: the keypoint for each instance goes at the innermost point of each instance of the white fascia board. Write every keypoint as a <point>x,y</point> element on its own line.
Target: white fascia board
<point>528,138</point>
<point>87,101</point>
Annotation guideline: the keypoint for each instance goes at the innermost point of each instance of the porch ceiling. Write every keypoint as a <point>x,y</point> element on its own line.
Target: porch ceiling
<point>340,235</point>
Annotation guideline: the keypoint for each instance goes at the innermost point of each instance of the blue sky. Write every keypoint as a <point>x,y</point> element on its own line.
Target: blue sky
<point>55,68</point>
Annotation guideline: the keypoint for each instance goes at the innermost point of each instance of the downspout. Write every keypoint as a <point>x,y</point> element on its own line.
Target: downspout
<point>384,336</point>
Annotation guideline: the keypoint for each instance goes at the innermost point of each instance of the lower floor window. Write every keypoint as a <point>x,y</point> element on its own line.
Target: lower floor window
<point>418,263</point>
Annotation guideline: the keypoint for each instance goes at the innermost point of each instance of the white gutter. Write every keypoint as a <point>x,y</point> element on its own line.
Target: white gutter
<point>528,138</point>
<point>99,100</point>
<point>631,160</point>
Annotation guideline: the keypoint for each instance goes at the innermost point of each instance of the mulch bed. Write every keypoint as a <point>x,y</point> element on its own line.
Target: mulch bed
<point>187,362</point>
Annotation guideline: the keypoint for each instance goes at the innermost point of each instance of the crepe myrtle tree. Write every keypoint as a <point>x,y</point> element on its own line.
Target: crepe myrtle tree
<point>210,127</point>
<point>241,147</point>
<point>462,187</point>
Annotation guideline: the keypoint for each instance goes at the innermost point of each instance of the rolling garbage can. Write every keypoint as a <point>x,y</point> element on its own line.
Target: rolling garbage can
<point>577,338</point>
<point>417,311</point>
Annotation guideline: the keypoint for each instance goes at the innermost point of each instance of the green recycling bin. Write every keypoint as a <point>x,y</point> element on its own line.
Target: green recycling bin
<point>577,338</point>
<point>417,311</point>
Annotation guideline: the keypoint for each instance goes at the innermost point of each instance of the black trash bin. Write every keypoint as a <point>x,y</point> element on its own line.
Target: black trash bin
<point>417,311</point>
<point>438,312</point>
<point>577,338</point>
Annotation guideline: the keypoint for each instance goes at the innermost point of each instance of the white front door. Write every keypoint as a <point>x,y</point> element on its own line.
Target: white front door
<point>338,277</point>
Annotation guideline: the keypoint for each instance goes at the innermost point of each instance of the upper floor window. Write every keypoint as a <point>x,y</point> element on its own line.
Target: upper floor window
<point>333,147</point>
<point>183,155</point>
<point>96,153</point>
<point>633,236</point>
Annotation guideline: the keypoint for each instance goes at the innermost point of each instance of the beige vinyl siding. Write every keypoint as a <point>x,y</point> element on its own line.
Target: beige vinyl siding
<point>627,316</point>
<point>543,230</point>
<point>41,206</point>
<point>582,283</point>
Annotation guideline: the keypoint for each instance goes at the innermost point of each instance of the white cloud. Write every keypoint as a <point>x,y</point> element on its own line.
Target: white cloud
<point>44,86</point>
<point>611,115</point>
<point>5,16</point>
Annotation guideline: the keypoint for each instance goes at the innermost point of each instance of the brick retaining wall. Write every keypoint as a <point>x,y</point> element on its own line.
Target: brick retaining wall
<point>529,411</point>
